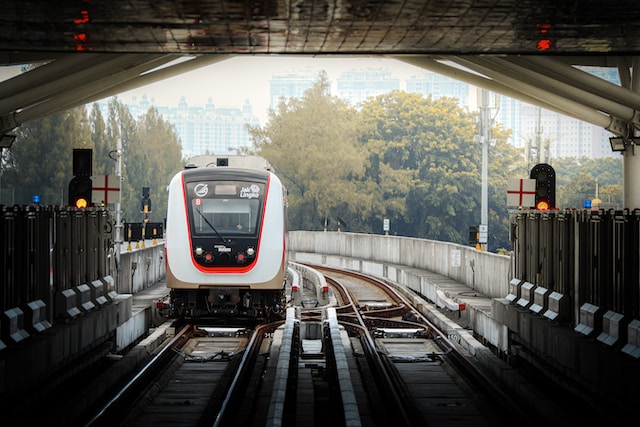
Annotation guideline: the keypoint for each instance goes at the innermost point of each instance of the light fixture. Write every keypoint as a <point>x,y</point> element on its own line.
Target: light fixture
<point>617,143</point>
<point>6,141</point>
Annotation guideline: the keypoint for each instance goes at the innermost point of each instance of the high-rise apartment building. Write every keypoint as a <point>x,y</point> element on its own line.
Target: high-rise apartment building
<point>357,85</point>
<point>290,85</point>
<point>439,86</point>
<point>558,135</point>
<point>208,129</point>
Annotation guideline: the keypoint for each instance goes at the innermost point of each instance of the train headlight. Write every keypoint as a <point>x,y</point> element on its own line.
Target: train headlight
<point>251,252</point>
<point>199,251</point>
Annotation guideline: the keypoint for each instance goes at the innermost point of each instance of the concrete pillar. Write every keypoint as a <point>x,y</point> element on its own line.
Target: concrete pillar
<point>631,177</point>
<point>631,159</point>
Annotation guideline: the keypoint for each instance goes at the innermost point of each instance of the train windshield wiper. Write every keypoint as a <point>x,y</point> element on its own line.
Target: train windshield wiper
<point>210,225</point>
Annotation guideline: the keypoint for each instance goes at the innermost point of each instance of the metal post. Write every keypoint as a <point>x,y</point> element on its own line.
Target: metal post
<point>118,227</point>
<point>484,140</point>
<point>631,162</point>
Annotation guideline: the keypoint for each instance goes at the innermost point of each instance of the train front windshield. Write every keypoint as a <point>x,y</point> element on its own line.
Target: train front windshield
<point>225,207</point>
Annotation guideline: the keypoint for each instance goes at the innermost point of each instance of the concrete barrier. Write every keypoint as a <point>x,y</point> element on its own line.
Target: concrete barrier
<point>313,281</point>
<point>485,272</point>
<point>140,267</point>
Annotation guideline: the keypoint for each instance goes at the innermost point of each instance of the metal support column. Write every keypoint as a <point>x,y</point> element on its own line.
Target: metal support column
<point>484,140</point>
<point>631,159</point>
<point>118,227</point>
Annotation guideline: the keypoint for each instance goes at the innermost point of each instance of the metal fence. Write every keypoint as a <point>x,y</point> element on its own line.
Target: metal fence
<point>54,257</point>
<point>591,256</point>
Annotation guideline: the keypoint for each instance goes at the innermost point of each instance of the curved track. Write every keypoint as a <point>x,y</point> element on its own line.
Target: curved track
<point>426,378</point>
<point>366,359</point>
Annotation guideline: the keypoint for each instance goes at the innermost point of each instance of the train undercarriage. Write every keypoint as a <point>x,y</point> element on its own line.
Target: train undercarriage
<point>223,304</point>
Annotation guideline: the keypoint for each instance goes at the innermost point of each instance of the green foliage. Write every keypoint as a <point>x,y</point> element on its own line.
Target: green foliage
<point>151,156</point>
<point>505,162</point>
<point>401,156</point>
<point>431,165</point>
<point>313,146</point>
<point>41,159</point>
<point>101,143</point>
<point>576,180</point>
<point>157,154</point>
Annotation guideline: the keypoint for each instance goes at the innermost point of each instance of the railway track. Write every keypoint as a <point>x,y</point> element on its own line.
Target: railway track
<point>424,374</point>
<point>445,384</point>
<point>367,359</point>
<point>201,377</point>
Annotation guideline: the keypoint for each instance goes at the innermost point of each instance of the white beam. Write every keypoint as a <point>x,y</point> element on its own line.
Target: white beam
<point>542,97</point>
<point>557,70</point>
<point>528,75</point>
<point>57,79</point>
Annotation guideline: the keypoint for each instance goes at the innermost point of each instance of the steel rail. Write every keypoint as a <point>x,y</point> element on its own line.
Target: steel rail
<point>242,372</point>
<point>100,418</point>
<point>402,414</point>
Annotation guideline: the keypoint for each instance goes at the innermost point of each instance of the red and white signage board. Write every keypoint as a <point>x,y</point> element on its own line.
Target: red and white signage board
<point>521,192</point>
<point>105,189</point>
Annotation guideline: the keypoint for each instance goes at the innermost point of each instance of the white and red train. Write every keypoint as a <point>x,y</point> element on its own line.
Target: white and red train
<point>226,241</point>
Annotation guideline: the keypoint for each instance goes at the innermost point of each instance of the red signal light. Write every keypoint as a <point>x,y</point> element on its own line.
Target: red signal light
<point>542,205</point>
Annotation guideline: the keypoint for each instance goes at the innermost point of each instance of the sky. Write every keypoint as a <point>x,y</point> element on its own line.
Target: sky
<point>229,83</point>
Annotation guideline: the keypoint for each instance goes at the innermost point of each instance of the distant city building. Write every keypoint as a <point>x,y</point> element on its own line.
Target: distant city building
<point>291,85</point>
<point>439,86</point>
<point>567,137</point>
<point>357,85</point>
<point>354,86</point>
<point>205,129</point>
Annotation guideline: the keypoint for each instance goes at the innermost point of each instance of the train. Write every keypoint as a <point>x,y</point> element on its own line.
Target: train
<point>226,240</point>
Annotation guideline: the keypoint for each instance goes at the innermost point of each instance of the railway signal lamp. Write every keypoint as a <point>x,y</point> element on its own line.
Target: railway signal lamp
<point>145,201</point>
<point>474,231</point>
<point>81,184</point>
<point>80,192</point>
<point>545,177</point>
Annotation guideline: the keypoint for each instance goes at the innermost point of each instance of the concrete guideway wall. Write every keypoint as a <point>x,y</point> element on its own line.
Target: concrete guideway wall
<point>484,272</point>
<point>412,263</point>
<point>141,266</point>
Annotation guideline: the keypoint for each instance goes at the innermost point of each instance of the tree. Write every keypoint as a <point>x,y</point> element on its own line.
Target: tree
<point>577,178</point>
<point>428,145</point>
<point>505,162</point>
<point>151,155</point>
<point>426,167</point>
<point>158,153</point>
<point>104,164</point>
<point>312,143</point>
<point>40,162</point>
<point>121,125</point>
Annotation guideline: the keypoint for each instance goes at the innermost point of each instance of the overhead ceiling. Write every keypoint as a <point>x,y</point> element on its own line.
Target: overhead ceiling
<point>322,26</point>
<point>524,49</point>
